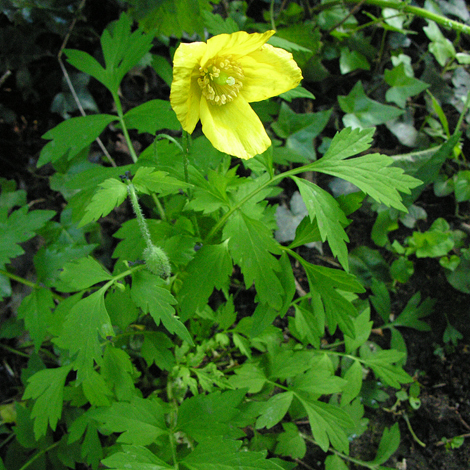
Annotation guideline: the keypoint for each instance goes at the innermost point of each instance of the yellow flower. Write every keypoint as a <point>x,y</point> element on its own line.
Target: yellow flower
<point>215,81</point>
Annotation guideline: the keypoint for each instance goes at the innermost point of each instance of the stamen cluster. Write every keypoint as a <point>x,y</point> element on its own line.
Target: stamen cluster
<point>220,80</point>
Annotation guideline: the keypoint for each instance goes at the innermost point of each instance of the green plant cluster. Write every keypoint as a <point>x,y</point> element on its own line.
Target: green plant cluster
<point>132,364</point>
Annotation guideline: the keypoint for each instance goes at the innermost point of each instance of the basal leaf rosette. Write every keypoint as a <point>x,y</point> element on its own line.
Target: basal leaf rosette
<point>215,81</point>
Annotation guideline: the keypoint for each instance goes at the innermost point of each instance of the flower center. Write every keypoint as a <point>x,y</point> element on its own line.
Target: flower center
<point>220,80</point>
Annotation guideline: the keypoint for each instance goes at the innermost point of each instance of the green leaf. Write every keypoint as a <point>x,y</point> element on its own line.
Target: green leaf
<point>87,64</point>
<point>46,387</point>
<point>287,363</point>
<point>349,142</point>
<point>354,378</point>
<point>152,116</point>
<point>251,244</point>
<point>87,318</point>
<point>20,226</point>
<point>352,60</point>
<point>334,462</point>
<point>442,49</point>
<point>36,310</point>
<point>290,443</point>
<point>219,454</point>
<point>382,363</point>
<point>413,312</point>
<point>310,325</point>
<point>328,424</point>
<point>388,445</point>
<point>96,390</point>
<point>110,194</point>
<point>119,372</point>
<point>81,274</point>
<point>135,458</point>
<point>210,268</point>
<point>274,410</point>
<point>323,208</point>
<point>157,349</point>
<point>403,87</point>
<point>362,328</point>
<point>148,181</point>
<point>147,292</point>
<point>373,175</point>
<point>318,381</point>
<point>72,136</point>
<point>215,24</point>
<point>363,112</point>
<point>249,376</point>
<point>206,416</point>
<point>141,421</point>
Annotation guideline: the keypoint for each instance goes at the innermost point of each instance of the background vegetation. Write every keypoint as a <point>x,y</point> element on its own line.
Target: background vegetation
<point>314,317</point>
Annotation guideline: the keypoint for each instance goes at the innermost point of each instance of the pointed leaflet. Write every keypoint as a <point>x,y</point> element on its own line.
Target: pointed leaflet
<point>290,443</point>
<point>121,49</point>
<point>388,445</point>
<point>220,454</point>
<point>135,458</point>
<point>81,274</point>
<point>152,116</point>
<point>72,136</point>
<point>210,268</point>
<point>328,423</point>
<point>330,218</point>
<point>110,194</point>
<point>348,142</point>
<point>274,410</point>
<point>46,387</point>
<point>210,415</point>
<point>148,180</point>
<point>36,310</point>
<point>251,244</point>
<point>147,292</point>
<point>141,421</point>
<point>382,363</point>
<point>79,335</point>
<point>20,226</point>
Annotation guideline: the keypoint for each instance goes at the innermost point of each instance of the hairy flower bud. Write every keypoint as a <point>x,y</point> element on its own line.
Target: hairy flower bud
<point>157,261</point>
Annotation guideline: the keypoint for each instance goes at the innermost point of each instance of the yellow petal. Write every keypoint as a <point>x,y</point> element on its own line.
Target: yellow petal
<point>269,72</point>
<point>234,128</point>
<point>185,92</point>
<point>236,44</point>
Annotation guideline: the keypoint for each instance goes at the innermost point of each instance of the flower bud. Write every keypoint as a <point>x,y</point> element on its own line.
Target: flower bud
<point>157,261</point>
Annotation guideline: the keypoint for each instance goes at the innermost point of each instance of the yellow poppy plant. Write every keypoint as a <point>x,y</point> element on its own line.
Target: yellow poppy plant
<point>216,81</point>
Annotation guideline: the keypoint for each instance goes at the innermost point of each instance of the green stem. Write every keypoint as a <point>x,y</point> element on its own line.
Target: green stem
<point>132,153</point>
<point>417,11</point>
<point>139,215</point>
<point>36,456</point>
<point>31,284</point>
<point>240,203</point>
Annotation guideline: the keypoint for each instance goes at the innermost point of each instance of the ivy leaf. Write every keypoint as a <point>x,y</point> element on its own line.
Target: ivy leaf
<point>36,310</point>
<point>147,292</point>
<point>328,424</point>
<point>219,454</point>
<point>72,136</point>
<point>79,335</point>
<point>141,421</point>
<point>152,116</point>
<point>251,244</point>
<point>20,226</point>
<point>81,274</point>
<point>210,268</point>
<point>403,86</point>
<point>46,387</point>
<point>135,458</point>
<point>364,112</point>
<point>323,208</point>
<point>110,194</point>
